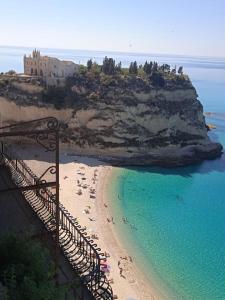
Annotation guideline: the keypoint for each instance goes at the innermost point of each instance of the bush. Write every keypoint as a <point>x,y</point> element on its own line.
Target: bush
<point>26,271</point>
<point>3,83</point>
<point>11,72</point>
<point>157,79</point>
<point>56,96</point>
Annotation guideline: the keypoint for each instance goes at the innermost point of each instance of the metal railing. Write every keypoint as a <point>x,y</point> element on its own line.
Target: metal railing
<point>80,250</point>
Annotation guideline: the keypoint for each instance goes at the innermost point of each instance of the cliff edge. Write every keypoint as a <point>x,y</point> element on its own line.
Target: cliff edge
<point>127,119</point>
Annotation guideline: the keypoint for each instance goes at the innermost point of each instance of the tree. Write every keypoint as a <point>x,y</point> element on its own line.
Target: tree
<point>11,72</point>
<point>174,71</point>
<point>180,70</point>
<point>145,67</point>
<point>154,67</point>
<point>82,69</point>
<point>165,68</point>
<point>112,66</point>
<point>133,69</point>
<point>148,67</point>
<point>108,66</point>
<point>105,65</point>
<point>89,64</point>
<point>119,67</point>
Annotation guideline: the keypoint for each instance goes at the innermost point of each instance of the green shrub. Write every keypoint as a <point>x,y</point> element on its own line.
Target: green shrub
<point>26,270</point>
<point>55,95</point>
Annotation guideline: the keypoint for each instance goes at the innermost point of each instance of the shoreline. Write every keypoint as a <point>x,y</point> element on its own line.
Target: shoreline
<point>135,278</point>
<point>83,192</point>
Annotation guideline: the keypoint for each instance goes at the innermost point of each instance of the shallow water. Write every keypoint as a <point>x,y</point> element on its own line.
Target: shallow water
<point>177,224</point>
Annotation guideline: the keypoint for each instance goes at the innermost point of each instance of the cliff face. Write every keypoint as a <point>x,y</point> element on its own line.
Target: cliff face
<point>161,126</point>
<point>152,120</point>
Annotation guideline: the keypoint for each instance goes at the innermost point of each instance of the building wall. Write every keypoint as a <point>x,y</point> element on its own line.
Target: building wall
<point>44,66</point>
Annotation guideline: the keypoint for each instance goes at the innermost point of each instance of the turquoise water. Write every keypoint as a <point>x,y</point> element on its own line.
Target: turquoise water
<point>177,224</point>
<point>176,229</point>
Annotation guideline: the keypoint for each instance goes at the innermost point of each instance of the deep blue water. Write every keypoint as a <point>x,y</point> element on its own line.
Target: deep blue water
<point>176,229</point>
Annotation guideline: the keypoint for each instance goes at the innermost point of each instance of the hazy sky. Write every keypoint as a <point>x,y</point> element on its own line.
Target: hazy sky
<point>195,27</point>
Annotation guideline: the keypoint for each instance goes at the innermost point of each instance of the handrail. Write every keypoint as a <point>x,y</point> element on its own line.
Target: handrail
<point>79,249</point>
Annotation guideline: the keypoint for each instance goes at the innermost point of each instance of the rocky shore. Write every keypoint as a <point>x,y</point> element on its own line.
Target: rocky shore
<point>185,156</point>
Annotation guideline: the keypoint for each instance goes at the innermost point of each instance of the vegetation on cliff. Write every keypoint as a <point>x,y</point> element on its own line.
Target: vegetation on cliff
<point>94,82</point>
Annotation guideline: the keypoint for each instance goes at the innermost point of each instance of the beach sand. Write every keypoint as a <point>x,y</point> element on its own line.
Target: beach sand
<point>83,182</point>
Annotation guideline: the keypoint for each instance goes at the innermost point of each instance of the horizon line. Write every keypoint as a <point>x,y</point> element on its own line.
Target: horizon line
<point>115,51</point>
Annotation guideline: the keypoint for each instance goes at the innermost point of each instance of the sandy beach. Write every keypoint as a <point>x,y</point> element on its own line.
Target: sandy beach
<point>82,192</point>
<point>83,183</point>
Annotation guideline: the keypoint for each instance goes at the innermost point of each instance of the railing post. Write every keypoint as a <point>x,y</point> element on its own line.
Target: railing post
<point>2,149</point>
<point>57,205</point>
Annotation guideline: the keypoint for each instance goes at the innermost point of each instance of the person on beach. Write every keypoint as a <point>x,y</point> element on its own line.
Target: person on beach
<point>107,254</point>
<point>123,257</point>
<point>125,220</point>
<point>111,280</point>
<point>133,227</point>
<point>121,273</point>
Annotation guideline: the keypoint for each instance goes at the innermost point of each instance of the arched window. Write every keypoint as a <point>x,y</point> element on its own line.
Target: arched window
<point>41,72</point>
<point>31,71</point>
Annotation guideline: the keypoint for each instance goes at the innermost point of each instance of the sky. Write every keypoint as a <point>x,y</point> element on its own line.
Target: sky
<point>191,27</point>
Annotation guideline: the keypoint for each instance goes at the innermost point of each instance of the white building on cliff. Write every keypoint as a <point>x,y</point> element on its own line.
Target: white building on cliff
<point>52,70</point>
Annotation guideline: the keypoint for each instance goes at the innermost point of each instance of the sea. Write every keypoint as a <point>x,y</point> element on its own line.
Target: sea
<point>175,229</point>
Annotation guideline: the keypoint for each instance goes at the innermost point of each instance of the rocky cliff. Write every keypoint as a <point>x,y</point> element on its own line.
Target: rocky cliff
<point>127,120</point>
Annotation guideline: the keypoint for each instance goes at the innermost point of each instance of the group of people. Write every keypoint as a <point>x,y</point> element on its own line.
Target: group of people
<point>120,262</point>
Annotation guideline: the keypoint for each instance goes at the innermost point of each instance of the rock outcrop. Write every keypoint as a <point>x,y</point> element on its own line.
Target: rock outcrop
<point>128,123</point>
